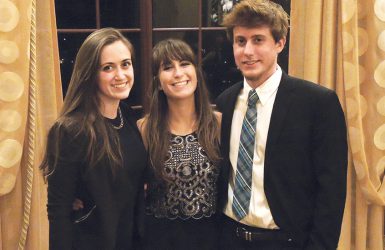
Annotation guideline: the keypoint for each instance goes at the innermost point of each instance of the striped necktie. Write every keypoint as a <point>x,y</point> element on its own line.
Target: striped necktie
<point>243,177</point>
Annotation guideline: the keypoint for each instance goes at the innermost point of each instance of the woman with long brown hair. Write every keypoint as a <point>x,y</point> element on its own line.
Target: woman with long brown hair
<point>181,133</point>
<point>95,152</point>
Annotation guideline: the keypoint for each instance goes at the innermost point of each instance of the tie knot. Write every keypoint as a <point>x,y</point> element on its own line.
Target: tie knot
<point>253,98</point>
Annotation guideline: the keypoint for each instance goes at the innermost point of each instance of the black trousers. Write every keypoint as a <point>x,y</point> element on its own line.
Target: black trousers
<point>178,234</point>
<point>230,240</point>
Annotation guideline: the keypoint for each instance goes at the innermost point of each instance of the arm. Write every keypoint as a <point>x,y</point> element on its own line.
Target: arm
<point>62,185</point>
<point>218,115</point>
<point>329,157</point>
<point>141,124</point>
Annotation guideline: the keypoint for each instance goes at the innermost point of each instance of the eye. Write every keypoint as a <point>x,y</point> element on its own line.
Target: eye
<point>185,63</point>
<point>258,39</point>
<point>240,41</point>
<point>107,68</point>
<point>127,64</point>
<point>166,67</point>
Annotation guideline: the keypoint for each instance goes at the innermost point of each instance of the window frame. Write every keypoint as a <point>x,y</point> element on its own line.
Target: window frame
<point>146,32</point>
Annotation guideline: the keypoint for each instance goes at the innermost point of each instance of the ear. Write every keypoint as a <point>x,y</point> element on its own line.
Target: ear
<point>280,44</point>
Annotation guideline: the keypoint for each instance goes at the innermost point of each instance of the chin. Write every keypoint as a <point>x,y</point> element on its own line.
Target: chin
<point>124,96</point>
<point>252,77</point>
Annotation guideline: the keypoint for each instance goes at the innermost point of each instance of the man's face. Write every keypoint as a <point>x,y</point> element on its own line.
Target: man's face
<point>255,53</point>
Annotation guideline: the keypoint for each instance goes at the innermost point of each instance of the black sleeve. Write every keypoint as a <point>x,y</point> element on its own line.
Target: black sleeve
<point>138,232</point>
<point>62,186</point>
<point>330,159</point>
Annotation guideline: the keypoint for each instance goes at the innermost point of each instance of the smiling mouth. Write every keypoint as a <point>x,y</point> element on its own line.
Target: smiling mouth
<point>120,85</point>
<point>250,62</point>
<point>181,83</point>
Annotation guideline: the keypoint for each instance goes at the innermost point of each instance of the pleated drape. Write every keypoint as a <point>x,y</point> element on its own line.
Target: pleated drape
<point>30,97</point>
<point>341,45</point>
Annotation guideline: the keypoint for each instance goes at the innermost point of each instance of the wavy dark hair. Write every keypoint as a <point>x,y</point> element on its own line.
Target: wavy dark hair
<point>156,131</point>
<point>80,116</point>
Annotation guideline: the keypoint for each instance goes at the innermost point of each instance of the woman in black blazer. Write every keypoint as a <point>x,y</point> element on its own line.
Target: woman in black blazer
<point>95,152</point>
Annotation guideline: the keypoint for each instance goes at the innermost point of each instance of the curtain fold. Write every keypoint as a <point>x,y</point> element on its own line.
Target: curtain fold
<point>341,45</point>
<point>30,98</point>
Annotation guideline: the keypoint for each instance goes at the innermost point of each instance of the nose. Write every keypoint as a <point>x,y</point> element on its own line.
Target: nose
<point>178,71</point>
<point>248,48</point>
<point>119,74</point>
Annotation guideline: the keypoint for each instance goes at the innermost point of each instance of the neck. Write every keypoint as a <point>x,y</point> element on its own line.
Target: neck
<point>109,110</point>
<point>256,82</point>
<point>181,117</point>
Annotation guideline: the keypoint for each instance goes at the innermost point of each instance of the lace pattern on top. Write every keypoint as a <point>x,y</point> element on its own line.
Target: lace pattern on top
<point>192,191</point>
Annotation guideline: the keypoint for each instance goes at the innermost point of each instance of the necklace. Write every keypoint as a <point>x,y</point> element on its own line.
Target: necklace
<point>180,129</point>
<point>121,120</point>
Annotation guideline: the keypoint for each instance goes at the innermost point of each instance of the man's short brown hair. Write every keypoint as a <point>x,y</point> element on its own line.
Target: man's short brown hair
<point>257,13</point>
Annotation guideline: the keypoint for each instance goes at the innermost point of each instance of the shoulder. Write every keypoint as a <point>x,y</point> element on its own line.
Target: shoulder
<point>227,95</point>
<point>313,94</point>
<point>305,85</point>
<point>141,124</point>
<point>67,134</point>
<point>218,116</point>
<point>231,90</point>
<point>67,126</point>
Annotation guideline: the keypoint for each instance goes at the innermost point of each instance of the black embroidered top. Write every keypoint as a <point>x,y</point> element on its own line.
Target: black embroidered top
<point>191,191</point>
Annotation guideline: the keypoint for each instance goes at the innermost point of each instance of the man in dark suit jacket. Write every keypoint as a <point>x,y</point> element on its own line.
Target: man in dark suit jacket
<point>299,161</point>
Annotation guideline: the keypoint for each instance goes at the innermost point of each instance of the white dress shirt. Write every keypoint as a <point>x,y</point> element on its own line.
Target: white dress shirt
<point>259,212</point>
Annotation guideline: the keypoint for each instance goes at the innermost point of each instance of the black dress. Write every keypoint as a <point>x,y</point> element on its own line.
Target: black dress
<point>180,213</point>
<point>113,203</point>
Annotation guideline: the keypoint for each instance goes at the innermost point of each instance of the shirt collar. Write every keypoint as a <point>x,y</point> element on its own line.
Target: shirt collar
<point>266,89</point>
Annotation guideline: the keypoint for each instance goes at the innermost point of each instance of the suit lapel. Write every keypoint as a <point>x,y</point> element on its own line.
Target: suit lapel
<point>280,111</point>
<point>228,116</point>
<point>227,104</point>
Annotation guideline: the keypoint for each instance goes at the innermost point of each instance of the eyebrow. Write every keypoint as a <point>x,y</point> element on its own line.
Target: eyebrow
<point>165,63</point>
<point>253,36</point>
<point>124,60</point>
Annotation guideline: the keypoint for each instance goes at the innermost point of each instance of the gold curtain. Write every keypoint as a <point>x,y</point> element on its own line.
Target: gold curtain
<point>30,97</point>
<point>341,45</point>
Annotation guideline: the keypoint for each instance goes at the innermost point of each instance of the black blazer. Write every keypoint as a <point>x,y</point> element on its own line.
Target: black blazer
<point>113,204</point>
<point>305,160</point>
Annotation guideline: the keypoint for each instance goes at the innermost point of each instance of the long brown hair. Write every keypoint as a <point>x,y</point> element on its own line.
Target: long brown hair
<point>80,115</point>
<point>156,131</point>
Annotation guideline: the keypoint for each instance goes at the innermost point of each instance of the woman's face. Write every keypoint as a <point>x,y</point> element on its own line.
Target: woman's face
<point>116,73</point>
<point>178,79</point>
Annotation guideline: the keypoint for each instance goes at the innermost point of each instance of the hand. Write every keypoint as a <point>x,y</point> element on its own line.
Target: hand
<point>77,205</point>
